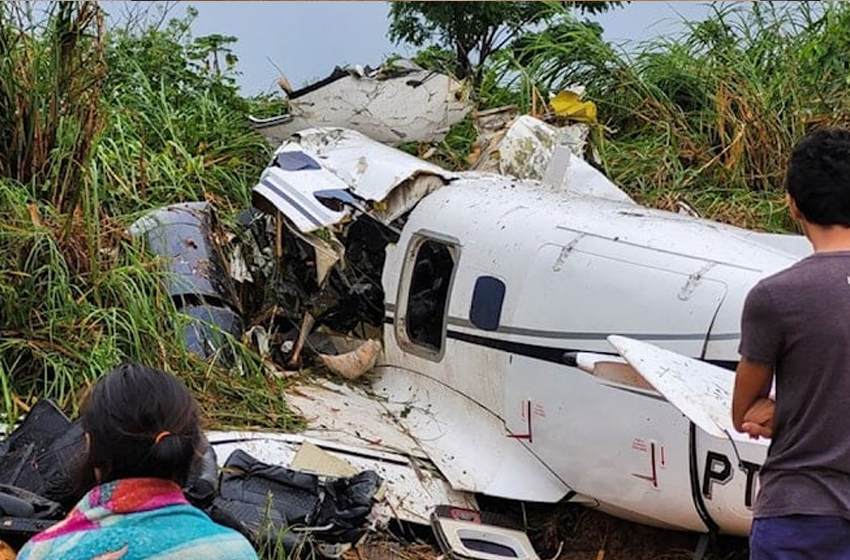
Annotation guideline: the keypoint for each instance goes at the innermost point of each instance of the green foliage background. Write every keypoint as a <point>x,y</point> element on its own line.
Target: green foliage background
<point>98,126</point>
<point>708,117</point>
<point>121,122</point>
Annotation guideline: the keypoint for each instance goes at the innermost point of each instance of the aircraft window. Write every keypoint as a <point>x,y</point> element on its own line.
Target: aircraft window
<point>428,295</point>
<point>487,299</point>
<point>295,161</point>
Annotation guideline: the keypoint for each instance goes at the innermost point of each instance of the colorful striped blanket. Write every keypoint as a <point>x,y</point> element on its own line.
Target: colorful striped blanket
<point>137,519</point>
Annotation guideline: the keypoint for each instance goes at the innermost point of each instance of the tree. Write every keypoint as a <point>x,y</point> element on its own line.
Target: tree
<point>473,31</point>
<point>167,57</point>
<point>209,48</point>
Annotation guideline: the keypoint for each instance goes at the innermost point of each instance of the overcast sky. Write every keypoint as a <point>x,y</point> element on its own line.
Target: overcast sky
<point>305,40</point>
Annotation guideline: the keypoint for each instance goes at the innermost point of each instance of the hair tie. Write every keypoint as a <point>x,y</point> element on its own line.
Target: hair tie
<point>160,436</point>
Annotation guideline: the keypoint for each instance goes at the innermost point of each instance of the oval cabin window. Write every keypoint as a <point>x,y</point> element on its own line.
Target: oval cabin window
<point>487,299</point>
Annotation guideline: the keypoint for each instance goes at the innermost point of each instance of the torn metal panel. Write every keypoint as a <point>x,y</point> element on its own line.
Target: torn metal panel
<point>181,234</point>
<point>417,416</point>
<point>370,170</point>
<point>348,415</point>
<point>394,105</point>
<point>355,175</point>
<point>528,148</point>
<point>293,193</point>
<point>323,182</point>
<point>412,490</point>
<point>402,200</point>
<point>185,237</point>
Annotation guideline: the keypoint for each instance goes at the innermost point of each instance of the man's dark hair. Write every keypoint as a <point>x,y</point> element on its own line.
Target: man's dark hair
<point>141,422</point>
<point>818,177</point>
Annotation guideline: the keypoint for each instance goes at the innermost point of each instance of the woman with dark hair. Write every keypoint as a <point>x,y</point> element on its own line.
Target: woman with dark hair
<point>143,432</point>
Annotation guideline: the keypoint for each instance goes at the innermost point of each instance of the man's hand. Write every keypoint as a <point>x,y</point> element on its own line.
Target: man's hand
<point>758,420</point>
<point>752,384</point>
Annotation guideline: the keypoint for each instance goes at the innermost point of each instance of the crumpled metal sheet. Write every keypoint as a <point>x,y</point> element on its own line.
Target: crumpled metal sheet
<point>182,235</point>
<point>524,147</point>
<point>293,193</point>
<point>395,105</point>
<point>532,149</point>
<point>357,175</point>
<point>370,169</point>
<point>206,332</point>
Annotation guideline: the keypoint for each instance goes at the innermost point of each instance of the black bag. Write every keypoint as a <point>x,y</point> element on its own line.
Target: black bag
<point>26,453</point>
<point>202,485</point>
<point>37,463</point>
<point>272,505</point>
<point>23,514</point>
<point>61,465</point>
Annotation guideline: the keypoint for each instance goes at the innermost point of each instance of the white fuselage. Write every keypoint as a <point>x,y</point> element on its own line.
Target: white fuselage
<point>520,273</point>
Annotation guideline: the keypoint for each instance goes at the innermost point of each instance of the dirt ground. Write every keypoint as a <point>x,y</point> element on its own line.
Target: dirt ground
<point>597,536</point>
<point>569,532</point>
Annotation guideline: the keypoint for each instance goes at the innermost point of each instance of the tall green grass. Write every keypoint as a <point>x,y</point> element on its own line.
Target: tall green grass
<point>52,78</point>
<point>708,117</point>
<point>82,155</point>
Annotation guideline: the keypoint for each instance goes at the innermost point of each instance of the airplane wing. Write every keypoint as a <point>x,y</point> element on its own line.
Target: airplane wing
<point>701,391</point>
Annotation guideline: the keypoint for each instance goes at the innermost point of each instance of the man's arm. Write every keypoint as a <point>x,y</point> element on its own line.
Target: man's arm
<point>752,411</point>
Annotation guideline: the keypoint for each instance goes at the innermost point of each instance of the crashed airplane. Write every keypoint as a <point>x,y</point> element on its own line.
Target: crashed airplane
<point>524,330</point>
<point>543,340</point>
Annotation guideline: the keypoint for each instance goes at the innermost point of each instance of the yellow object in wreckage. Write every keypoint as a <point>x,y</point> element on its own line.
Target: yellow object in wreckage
<point>568,104</point>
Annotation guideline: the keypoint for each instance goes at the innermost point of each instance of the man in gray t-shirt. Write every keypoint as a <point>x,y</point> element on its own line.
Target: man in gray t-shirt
<point>795,328</point>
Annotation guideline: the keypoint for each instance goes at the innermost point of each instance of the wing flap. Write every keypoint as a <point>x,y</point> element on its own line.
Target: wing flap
<point>701,391</point>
